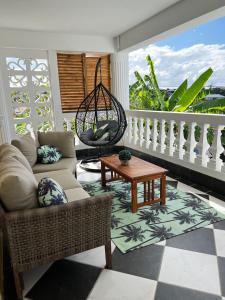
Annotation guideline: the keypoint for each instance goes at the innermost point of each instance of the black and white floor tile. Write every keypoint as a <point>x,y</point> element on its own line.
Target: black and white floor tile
<point>190,266</point>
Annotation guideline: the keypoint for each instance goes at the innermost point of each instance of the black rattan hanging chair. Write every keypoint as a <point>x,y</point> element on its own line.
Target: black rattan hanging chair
<point>100,119</point>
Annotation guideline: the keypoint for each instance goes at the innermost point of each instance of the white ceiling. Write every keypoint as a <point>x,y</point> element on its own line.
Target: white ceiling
<point>95,17</point>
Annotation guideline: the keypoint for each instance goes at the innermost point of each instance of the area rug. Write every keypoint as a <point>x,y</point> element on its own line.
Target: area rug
<point>182,213</point>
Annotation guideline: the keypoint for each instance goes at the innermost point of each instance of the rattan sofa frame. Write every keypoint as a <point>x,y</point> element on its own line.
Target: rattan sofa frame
<point>42,235</point>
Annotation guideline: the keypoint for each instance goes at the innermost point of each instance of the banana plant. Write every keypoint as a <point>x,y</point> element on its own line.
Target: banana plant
<point>178,93</point>
<point>193,91</point>
<point>151,78</point>
<point>146,94</point>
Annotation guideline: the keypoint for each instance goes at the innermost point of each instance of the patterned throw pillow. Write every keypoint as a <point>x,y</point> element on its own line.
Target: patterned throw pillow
<point>50,193</point>
<point>100,131</point>
<point>48,154</point>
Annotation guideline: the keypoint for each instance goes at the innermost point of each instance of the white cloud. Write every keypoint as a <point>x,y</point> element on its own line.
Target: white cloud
<point>173,66</point>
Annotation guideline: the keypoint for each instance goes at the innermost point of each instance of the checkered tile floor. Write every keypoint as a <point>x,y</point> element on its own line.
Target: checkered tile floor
<point>190,266</point>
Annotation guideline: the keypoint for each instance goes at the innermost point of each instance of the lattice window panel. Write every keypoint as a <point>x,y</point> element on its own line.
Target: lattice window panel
<point>28,94</point>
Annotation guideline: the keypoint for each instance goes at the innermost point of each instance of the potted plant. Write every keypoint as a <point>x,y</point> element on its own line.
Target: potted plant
<point>124,157</point>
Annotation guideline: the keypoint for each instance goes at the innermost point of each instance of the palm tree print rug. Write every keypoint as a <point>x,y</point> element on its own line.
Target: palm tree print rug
<point>182,213</point>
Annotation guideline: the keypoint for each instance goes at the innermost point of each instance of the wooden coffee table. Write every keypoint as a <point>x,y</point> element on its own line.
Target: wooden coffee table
<point>137,171</point>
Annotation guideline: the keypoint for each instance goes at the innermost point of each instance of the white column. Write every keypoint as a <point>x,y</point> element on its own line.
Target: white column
<point>5,134</point>
<point>56,99</point>
<point>120,78</point>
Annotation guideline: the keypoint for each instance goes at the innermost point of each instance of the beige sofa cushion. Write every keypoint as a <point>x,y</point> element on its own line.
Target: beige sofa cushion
<point>76,194</point>
<point>7,150</point>
<point>27,145</point>
<point>64,163</point>
<point>64,141</point>
<point>64,177</point>
<point>18,186</point>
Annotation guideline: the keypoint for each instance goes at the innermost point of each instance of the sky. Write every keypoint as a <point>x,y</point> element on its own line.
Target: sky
<point>185,55</point>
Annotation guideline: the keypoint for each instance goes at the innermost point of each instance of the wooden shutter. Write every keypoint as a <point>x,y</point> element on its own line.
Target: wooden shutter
<point>76,77</point>
<point>90,72</point>
<point>71,79</point>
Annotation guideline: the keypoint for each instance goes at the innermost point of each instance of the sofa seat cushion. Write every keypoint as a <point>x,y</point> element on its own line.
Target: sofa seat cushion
<point>27,145</point>
<point>7,150</point>
<point>76,194</point>
<point>64,141</point>
<point>18,186</point>
<point>63,163</point>
<point>50,193</point>
<point>64,177</point>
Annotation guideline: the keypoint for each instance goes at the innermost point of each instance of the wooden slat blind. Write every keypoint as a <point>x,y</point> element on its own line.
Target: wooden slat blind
<point>90,73</point>
<point>76,77</point>
<point>71,80</point>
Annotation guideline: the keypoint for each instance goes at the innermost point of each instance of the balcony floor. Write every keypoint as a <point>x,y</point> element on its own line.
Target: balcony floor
<point>190,266</point>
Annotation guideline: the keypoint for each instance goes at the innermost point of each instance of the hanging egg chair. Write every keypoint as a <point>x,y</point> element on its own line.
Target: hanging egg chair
<point>100,119</point>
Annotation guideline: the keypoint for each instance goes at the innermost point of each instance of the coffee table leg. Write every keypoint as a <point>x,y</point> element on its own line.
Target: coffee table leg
<point>163,189</point>
<point>103,174</point>
<point>134,197</point>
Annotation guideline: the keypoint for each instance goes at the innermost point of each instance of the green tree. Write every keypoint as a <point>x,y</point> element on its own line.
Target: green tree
<point>146,94</point>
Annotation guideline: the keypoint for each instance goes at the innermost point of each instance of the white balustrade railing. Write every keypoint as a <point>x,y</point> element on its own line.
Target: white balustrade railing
<point>181,138</point>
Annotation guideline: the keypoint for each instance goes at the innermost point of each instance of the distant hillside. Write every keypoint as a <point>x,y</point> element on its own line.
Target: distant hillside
<point>218,90</point>
<point>214,90</point>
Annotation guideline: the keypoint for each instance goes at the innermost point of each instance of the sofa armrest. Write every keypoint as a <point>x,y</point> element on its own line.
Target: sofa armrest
<point>39,236</point>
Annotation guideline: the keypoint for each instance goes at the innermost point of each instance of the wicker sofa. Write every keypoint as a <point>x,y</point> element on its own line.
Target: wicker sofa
<point>37,236</point>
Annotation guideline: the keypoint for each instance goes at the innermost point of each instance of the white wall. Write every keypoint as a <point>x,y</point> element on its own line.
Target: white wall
<point>55,41</point>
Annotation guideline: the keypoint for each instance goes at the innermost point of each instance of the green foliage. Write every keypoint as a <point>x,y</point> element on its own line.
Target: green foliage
<point>193,91</point>
<point>145,94</point>
<point>151,78</point>
<point>21,128</point>
<point>124,155</point>
<point>213,106</point>
<point>176,96</point>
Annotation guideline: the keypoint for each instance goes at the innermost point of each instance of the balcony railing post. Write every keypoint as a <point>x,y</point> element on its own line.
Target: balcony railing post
<point>130,136</point>
<point>147,133</point>
<point>141,131</point>
<point>135,130</point>
<point>170,148</point>
<point>190,144</point>
<point>68,124</point>
<point>155,135</point>
<point>162,136</point>
<point>216,149</point>
<point>180,140</point>
<point>202,146</point>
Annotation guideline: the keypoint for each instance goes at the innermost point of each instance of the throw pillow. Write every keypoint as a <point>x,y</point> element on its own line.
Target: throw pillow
<point>104,137</point>
<point>27,145</point>
<point>50,193</point>
<point>90,134</point>
<point>18,186</point>
<point>7,150</point>
<point>48,154</point>
<point>64,141</point>
<point>112,133</point>
<point>100,131</point>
